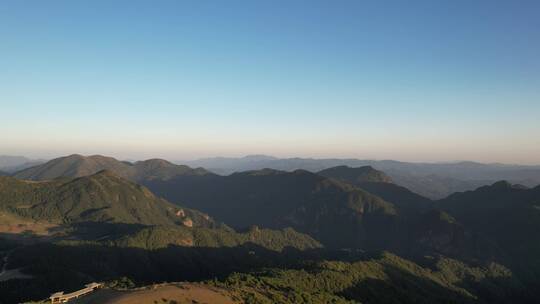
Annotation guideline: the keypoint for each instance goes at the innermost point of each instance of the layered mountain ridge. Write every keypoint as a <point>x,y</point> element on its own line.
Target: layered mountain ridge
<point>478,242</point>
<point>310,203</point>
<point>77,165</point>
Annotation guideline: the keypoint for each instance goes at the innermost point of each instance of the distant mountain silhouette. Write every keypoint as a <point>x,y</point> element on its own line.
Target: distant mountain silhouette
<point>432,180</point>
<point>11,164</point>
<point>12,161</point>
<point>78,165</point>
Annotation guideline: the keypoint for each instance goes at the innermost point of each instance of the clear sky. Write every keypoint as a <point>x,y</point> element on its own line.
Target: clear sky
<point>408,80</point>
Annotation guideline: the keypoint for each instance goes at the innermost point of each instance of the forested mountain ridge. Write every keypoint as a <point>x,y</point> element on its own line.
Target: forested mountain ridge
<point>101,197</point>
<point>77,166</point>
<point>308,202</point>
<point>477,246</point>
<point>338,214</point>
<point>506,214</point>
<point>432,180</point>
<point>106,227</point>
<point>378,183</point>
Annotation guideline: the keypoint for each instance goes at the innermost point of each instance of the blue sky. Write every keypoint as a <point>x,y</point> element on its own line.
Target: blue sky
<point>407,80</point>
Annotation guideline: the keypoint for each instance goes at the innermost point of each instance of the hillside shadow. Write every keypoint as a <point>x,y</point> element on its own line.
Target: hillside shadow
<point>401,287</point>
<point>65,267</point>
<point>101,230</point>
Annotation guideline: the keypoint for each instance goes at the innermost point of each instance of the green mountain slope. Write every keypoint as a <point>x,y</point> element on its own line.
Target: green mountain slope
<point>507,214</point>
<point>158,237</point>
<point>401,197</point>
<point>380,184</point>
<point>102,197</point>
<point>310,203</point>
<point>384,278</point>
<point>337,214</point>
<point>78,165</point>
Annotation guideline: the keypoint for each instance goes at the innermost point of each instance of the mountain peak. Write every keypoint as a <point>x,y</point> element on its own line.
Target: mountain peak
<point>503,184</point>
<point>72,157</point>
<point>77,165</point>
<point>101,197</point>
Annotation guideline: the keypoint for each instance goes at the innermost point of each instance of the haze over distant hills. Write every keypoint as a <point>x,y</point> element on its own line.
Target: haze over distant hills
<point>10,161</point>
<point>434,180</point>
<point>12,164</point>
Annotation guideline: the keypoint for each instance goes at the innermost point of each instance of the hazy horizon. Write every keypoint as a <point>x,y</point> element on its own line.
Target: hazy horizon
<point>47,157</point>
<point>423,81</point>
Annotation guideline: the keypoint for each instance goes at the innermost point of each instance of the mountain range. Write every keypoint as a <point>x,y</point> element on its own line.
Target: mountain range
<point>156,221</point>
<point>307,202</point>
<point>432,180</point>
<point>507,214</point>
<point>78,165</point>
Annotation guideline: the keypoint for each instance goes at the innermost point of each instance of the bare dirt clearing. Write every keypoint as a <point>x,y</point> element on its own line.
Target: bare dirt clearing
<point>173,293</point>
<point>11,224</point>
